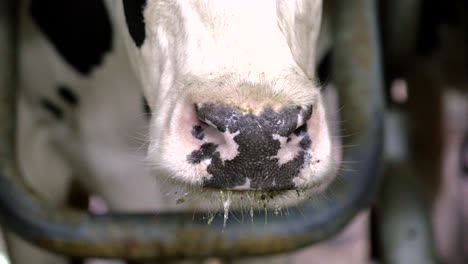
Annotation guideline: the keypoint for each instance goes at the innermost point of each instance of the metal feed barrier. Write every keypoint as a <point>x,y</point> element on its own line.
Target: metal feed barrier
<point>172,235</point>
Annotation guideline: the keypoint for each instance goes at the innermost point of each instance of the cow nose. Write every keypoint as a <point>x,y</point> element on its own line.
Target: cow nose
<point>242,150</point>
<point>267,122</point>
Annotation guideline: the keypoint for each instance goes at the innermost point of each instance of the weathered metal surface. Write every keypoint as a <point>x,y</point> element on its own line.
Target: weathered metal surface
<point>403,218</point>
<point>170,235</point>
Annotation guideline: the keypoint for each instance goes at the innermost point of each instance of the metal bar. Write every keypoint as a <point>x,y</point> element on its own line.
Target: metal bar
<point>403,218</point>
<point>170,235</point>
<point>400,31</point>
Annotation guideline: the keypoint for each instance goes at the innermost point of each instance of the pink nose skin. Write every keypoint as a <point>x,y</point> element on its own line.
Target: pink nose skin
<point>244,151</point>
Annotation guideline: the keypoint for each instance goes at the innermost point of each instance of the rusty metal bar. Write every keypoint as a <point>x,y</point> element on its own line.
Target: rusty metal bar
<point>170,235</point>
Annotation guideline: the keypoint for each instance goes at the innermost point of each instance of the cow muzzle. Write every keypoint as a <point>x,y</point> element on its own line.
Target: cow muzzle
<point>246,150</point>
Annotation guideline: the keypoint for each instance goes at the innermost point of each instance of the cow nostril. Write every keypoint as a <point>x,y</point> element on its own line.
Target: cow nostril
<point>207,123</point>
<point>202,122</point>
<point>211,115</point>
<point>298,131</point>
<point>301,130</point>
<point>200,116</point>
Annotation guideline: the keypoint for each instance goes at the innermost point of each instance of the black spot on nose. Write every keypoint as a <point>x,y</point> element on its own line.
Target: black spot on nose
<point>134,17</point>
<point>79,30</point>
<point>67,95</point>
<point>206,151</point>
<point>198,132</point>
<point>305,142</point>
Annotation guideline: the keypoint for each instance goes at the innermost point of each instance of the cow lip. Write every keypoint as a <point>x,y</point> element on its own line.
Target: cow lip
<point>256,191</point>
<point>263,198</point>
<point>241,199</point>
<point>248,188</point>
<point>205,188</point>
<point>270,194</point>
<point>235,190</point>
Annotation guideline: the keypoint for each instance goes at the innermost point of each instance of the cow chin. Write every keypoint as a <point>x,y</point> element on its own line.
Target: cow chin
<point>281,153</point>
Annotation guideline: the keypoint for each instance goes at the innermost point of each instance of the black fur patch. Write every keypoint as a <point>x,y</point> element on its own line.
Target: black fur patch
<point>133,10</point>
<point>52,108</point>
<point>67,95</point>
<point>256,148</point>
<point>79,30</point>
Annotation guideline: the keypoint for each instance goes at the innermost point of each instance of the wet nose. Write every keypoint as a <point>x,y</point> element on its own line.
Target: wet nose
<point>268,122</point>
<point>252,150</point>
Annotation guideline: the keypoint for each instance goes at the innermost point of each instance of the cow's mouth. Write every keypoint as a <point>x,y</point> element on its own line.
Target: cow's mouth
<point>214,198</point>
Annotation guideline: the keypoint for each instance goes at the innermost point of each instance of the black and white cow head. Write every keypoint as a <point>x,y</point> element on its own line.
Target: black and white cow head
<point>231,88</point>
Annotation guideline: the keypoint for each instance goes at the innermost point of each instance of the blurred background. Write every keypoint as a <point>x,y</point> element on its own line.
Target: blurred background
<point>424,44</point>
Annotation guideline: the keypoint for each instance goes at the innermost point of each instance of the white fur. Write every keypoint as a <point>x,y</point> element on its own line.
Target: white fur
<point>251,54</point>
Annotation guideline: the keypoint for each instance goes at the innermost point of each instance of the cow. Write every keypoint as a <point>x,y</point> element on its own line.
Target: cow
<point>171,105</point>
